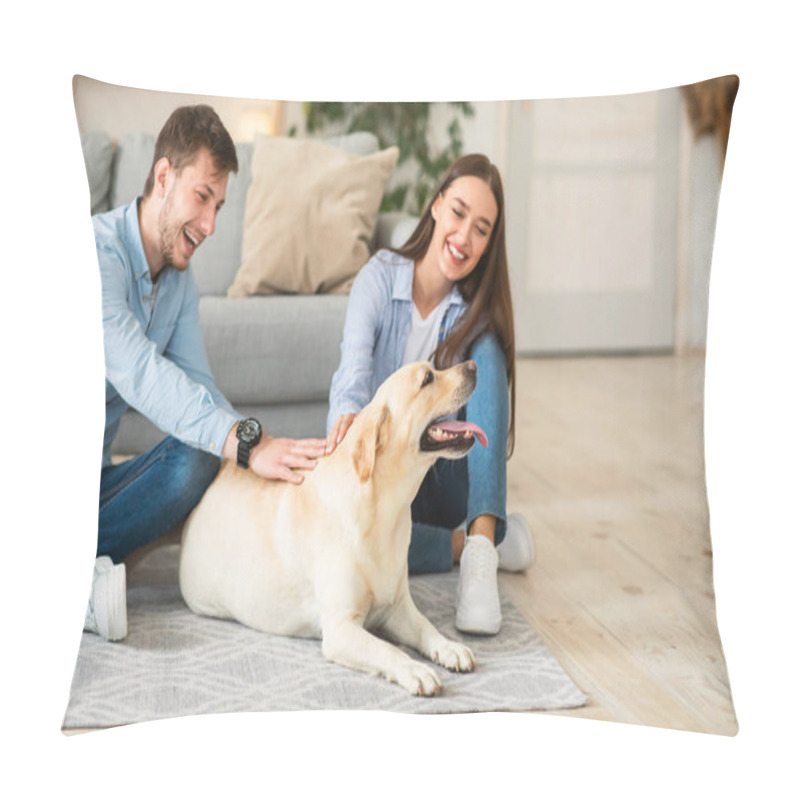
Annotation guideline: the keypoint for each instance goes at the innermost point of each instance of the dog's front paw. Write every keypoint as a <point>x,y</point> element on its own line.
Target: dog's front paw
<point>453,655</point>
<point>420,679</point>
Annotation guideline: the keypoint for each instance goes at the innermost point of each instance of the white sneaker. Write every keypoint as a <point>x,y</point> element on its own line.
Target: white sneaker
<point>515,552</point>
<point>477,598</point>
<point>107,614</point>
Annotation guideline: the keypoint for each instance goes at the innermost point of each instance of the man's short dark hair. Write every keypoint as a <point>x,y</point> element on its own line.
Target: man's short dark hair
<point>185,133</point>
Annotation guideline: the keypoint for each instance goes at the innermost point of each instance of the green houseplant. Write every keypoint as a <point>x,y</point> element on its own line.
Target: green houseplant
<point>406,125</point>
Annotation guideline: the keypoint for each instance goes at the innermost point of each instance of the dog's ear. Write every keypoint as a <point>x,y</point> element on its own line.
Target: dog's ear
<point>371,441</point>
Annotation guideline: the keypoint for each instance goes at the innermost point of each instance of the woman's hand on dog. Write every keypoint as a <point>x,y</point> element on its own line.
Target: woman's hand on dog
<point>337,432</point>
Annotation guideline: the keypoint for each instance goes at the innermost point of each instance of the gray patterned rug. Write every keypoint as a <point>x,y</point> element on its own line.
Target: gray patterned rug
<point>174,663</point>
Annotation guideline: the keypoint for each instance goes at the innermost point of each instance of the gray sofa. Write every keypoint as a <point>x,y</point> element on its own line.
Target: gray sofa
<point>272,356</point>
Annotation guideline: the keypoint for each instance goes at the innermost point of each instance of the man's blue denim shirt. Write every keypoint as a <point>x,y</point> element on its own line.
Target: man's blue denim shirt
<point>154,352</point>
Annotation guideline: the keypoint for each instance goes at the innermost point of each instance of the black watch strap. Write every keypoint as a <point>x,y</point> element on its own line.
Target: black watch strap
<point>249,434</point>
<point>243,455</point>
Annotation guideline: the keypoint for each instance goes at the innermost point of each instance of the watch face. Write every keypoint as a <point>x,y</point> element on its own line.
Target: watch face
<point>249,430</point>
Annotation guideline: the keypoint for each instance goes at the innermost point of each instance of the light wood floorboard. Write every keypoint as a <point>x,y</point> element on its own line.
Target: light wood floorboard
<point>609,470</point>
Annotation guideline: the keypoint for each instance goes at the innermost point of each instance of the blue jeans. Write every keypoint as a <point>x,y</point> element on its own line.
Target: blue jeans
<point>143,498</point>
<point>455,491</point>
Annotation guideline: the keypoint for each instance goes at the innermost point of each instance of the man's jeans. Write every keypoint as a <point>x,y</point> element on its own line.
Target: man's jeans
<point>143,498</point>
<point>455,491</point>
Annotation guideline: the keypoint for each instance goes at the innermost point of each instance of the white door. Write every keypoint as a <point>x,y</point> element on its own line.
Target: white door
<point>592,222</point>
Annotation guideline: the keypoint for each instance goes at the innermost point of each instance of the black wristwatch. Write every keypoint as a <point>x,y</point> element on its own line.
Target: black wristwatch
<point>249,435</point>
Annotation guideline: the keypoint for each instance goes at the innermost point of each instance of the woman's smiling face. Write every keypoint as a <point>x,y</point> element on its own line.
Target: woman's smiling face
<point>465,216</point>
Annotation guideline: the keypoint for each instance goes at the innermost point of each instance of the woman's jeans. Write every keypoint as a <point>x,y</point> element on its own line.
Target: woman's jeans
<point>457,490</point>
<point>143,498</point>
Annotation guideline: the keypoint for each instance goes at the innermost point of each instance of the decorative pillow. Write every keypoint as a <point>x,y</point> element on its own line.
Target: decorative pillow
<point>611,209</point>
<point>310,216</point>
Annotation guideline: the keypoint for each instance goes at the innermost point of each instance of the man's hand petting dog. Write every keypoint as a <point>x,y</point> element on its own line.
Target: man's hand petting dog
<point>279,458</point>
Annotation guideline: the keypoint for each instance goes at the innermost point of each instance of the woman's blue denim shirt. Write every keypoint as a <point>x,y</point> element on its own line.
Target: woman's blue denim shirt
<point>376,328</point>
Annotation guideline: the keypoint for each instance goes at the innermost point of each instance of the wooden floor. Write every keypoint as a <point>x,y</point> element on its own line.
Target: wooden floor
<point>609,470</point>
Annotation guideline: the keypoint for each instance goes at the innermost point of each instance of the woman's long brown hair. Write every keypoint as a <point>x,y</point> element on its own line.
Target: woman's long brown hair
<point>487,289</point>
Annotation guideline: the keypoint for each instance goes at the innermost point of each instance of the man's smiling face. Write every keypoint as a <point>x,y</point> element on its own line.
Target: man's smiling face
<point>193,197</point>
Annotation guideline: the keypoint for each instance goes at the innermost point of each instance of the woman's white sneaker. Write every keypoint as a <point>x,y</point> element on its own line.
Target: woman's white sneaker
<point>477,598</point>
<point>515,552</point>
<point>107,613</point>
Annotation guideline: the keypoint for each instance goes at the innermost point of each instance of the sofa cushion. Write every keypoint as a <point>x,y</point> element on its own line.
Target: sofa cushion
<point>310,216</point>
<point>295,420</point>
<point>278,349</point>
<point>98,152</point>
<point>394,229</point>
<point>132,161</point>
<point>215,264</point>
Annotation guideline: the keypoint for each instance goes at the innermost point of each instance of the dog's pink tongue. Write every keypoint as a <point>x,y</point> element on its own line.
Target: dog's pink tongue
<point>456,426</point>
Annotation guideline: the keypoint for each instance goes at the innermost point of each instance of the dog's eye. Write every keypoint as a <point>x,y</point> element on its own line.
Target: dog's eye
<point>427,379</point>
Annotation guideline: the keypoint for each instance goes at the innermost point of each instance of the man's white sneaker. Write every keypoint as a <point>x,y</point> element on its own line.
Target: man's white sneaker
<point>477,598</point>
<point>107,613</point>
<point>515,552</point>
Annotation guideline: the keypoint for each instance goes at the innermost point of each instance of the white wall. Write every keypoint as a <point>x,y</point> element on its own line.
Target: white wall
<point>117,110</point>
<point>705,191</point>
<point>488,132</point>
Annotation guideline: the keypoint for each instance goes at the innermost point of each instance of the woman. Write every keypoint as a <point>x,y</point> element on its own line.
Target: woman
<point>445,297</point>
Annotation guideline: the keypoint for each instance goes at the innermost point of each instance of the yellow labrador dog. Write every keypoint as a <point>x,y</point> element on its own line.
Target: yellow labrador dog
<point>328,558</point>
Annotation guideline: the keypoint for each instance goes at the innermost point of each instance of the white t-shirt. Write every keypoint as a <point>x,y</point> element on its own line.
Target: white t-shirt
<point>424,335</point>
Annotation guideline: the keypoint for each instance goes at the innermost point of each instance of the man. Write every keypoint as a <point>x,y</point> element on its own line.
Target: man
<point>156,361</point>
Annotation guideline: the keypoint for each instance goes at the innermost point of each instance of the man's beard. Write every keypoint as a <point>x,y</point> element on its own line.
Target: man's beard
<point>168,232</point>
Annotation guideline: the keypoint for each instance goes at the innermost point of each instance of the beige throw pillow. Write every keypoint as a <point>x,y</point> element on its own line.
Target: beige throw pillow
<point>310,216</point>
